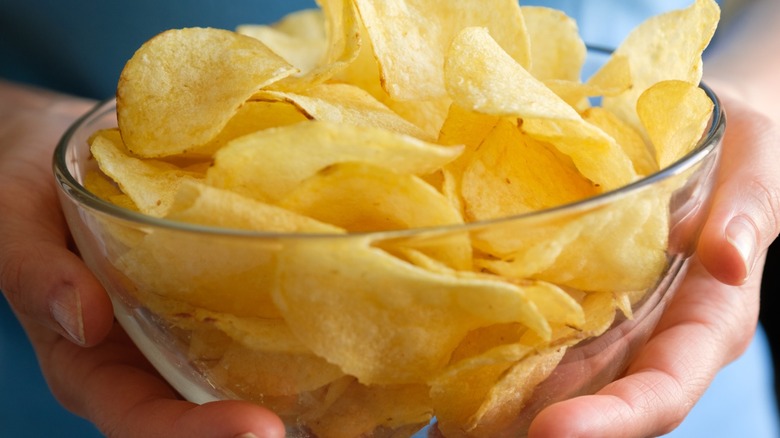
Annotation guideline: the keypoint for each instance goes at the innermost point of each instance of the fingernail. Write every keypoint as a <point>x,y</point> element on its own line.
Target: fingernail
<point>741,234</point>
<point>65,308</point>
<point>246,435</point>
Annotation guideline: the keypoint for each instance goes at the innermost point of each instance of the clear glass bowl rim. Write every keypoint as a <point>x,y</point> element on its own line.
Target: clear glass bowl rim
<point>77,192</point>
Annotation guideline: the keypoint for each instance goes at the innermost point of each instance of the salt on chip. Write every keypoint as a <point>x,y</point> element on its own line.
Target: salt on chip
<point>411,37</point>
<point>266,165</point>
<point>182,87</point>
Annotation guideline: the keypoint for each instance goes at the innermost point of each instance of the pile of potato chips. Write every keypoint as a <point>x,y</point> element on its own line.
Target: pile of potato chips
<point>377,148</point>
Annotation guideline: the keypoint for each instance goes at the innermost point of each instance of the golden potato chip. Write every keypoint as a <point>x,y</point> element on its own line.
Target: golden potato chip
<point>391,411</point>
<point>299,38</point>
<point>481,77</point>
<point>627,137</point>
<point>674,115</point>
<point>252,117</point>
<point>268,164</point>
<point>150,184</point>
<point>411,49</point>
<point>668,46</point>
<point>509,396</point>
<point>511,173</point>
<point>345,104</point>
<point>343,46</point>
<point>573,251</point>
<point>361,197</point>
<point>358,326</point>
<point>181,88</point>
<point>557,50</point>
<point>364,197</point>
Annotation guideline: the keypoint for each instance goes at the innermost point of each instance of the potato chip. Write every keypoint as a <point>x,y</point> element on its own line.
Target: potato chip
<point>343,46</point>
<point>362,197</point>
<point>266,165</point>
<point>299,38</point>
<point>180,88</point>
<point>150,184</point>
<point>674,115</point>
<point>574,251</point>
<point>345,104</point>
<point>627,137</point>
<point>481,77</point>
<point>375,411</point>
<point>668,46</point>
<point>557,50</point>
<point>411,49</point>
<point>358,327</point>
<point>511,173</point>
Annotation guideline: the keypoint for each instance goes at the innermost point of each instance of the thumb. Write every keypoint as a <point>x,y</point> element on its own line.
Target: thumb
<point>745,214</point>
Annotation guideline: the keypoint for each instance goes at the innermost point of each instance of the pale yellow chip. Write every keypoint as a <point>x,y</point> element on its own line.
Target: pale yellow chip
<point>620,246</point>
<point>627,137</point>
<point>182,87</point>
<point>481,77</point>
<point>674,115</point>
<point>395,411</point>
<point>668,46</point>
<point>358,327</point>
<point>557,50</point>
<point>512,173</point>
<point>299,38</point>
<point>361,197</point>
<point>411,37</point>
<point>343,41</point>
<point>150,184</point>
<point>268,164</point>
<point>345,104</point>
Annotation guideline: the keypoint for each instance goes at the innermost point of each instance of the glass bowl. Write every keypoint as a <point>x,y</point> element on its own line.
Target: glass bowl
<point>365,333</point>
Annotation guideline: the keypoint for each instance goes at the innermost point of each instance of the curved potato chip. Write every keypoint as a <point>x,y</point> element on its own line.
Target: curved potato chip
<point>268,164</point>
<point>345,104</point>
<point>511,173</point>
<point>480,76</point>
<point>150,184</point>
<point>181,87</point>
<point>361,197</point>
<point>557,50</point>
<point>371,305</point>
<point>299,37</point>
<point>674,115</point>
<point>677,55</point>
<point>411,50</point>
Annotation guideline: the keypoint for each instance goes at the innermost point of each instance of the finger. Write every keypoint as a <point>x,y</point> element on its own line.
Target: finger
<point>39,275</point>
<point>114,386</point>
<point>745,215</point>
<point>704,329</point>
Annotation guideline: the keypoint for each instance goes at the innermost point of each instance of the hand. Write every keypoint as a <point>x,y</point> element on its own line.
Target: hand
<point>714,314</point>
<point>91,366</point>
